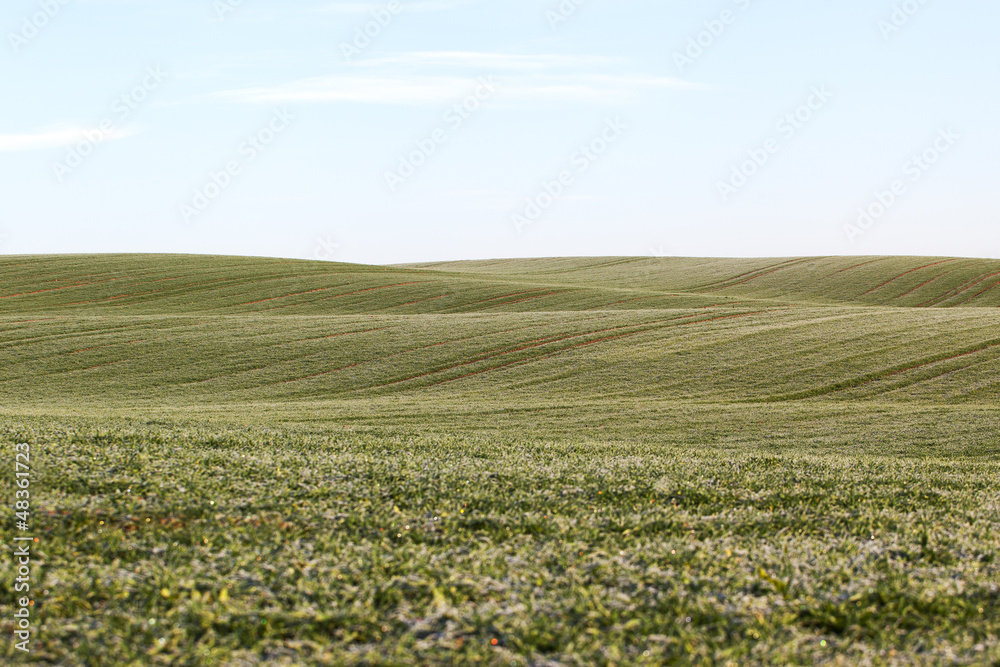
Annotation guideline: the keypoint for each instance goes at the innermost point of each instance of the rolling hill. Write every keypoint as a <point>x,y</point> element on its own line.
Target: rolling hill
<point>157,284</point>
<point>153,330</point>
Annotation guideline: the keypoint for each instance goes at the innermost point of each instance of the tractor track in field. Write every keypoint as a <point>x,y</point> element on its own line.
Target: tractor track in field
<point>588,267</point>
<point>471,307</point>
<point>12,322</point>
<point>132,280</point>
<point>104,331</point>
<point>477,306</point>
<point>530,297</point>
<point>409,351</point>
<point>66,371</point>
<point>216,284</point>
<point>273,364</point>
<point>575,346</point>
<point>162,294</point>
<point>928,376</point>
<point>980,292</point>
<point>66,353</point>
<point>130,327</point>
<point>716,283</point>
<point>958,291</point>
<point>858,266</point>
<point>489,354</point>
<point>299,304</point>
<point>618,303</point>
<point>43,291</point>
<point>906,273</point>
<point>924,284</point>
<point>537,343</point>
<point>540,357</point>
<point>868,378</point>
<point>323,289</point>
<point>511,349</point>
<point>499,352</point>
<point>748,276</point>
<point>56,289</point>
<point>413,303</point>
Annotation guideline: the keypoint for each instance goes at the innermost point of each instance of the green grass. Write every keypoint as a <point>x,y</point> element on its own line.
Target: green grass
<point>591,461</point>
<point>157,284</point>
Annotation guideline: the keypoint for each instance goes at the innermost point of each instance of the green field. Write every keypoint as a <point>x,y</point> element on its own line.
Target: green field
<point>591,461</point>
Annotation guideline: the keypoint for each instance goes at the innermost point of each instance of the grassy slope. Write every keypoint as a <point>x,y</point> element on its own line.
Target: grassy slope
<point>135,284</point>
<point>720,354</point>
<point>190,329</point>
<point>150,284</point>
<point>399,464</point>
<point>876,281</point>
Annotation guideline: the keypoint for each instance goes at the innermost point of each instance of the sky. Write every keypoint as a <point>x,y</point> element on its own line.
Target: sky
<point>422,130</point>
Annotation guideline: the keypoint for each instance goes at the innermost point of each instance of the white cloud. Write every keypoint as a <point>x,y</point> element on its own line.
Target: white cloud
<point>441,77</point>
<point>365,7</point>
<point>350,7</point>
<point>365,89</point>
<point>56,138</point>
<point>492,61</point>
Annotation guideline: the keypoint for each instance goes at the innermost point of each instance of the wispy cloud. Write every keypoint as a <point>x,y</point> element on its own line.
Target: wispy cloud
<point>365,7</point>
<point>493,61</point>
<point>57,138</point>
<point>440,76</point>
<point>347,88</point>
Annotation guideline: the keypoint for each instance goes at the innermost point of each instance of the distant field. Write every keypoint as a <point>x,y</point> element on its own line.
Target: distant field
<point>152,284</point>
<point>245,461</point>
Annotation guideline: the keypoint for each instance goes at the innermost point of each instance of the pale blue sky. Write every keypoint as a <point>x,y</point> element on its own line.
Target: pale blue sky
<point>170,93</point>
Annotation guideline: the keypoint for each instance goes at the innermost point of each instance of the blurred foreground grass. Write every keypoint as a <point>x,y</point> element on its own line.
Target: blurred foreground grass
<point>200,543</point>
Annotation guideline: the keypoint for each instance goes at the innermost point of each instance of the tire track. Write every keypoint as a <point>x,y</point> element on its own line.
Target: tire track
<point>474,304</point>
<point>320,289</point>
<point>274,363</point>
<point>646,326</point>
<point>496,352</point>
<point>576,346</point>
<point>882,374</point>
<point>760,274</point>
<point>958,290</point>
<point>43,291</point>
<point>980,292</point>
<point>710,286</point>
<point>929,375</point>
<point>906,273</point>
<point>416,349</point>
<point>924,284</point>
<point>528,298</point>
<point>858,266</point>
